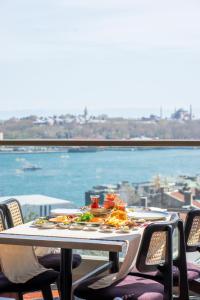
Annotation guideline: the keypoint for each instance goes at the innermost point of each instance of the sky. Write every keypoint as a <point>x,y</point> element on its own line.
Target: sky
<point>115,56</point>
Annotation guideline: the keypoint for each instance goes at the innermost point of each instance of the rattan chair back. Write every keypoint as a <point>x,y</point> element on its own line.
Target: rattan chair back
<point>192,230</point>
<point>156,247</point>
<point>155,253</point>
<point>2,221</point>
<point>13,212</point>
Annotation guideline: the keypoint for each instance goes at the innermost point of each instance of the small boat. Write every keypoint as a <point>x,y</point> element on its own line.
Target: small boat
<point>82,149</point>
<point>31,168</point>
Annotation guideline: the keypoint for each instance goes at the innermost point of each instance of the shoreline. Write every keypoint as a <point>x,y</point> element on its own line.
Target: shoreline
<point>98,149</point>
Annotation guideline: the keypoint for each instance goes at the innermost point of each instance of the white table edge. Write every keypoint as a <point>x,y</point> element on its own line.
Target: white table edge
<point>60,242</point>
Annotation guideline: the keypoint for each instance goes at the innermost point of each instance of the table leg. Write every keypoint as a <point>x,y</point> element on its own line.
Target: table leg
<point>66,274</point>
<point>114,258</point>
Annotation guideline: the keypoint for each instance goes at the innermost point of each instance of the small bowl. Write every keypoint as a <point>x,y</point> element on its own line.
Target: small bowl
<point>76,227</point>
<point>47,225</point>
<point>93,225</point>
<point>124,230</point>
<point>63,226</point>
<point>90,228</point>
<point>36,224</point>
<point>107,229</point>
<point>99,211</point>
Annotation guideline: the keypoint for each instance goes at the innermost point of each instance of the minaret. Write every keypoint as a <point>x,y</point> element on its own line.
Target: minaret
<point>161,113</point>
<point>190,112</point>
<point>85,113</point>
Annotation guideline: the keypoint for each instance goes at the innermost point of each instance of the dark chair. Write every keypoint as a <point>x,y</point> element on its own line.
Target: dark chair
<point>192,239</point>
<point>14,217</point>
<point>179,268</point>
<point>40,282</point>
<point>155,254</point>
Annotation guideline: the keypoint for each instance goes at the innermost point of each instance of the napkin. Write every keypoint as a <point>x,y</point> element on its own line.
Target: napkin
<point>132,247</point>
<point>42,251</point>
<point>19,263</point>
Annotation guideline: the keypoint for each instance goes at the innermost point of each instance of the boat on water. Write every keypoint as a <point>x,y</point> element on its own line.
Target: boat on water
<point>82,149</point>
<point>31,168</point>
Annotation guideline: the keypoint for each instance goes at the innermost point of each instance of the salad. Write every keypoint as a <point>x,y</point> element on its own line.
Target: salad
<point>86,217</point>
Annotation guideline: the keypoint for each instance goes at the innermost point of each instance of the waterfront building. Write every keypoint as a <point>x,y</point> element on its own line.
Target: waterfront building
<point>1,135</point>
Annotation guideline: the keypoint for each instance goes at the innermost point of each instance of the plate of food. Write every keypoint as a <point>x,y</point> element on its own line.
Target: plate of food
<point>99,211</point>
<point>47,225</point>
<point>107,229</point>
<point>64,225</point>
<point>124,229</point>
<point>84,217</point>
<point>76,226</point>
<point>39,222</point>
<point>90,228</point>
<point>62,219</point>
<point>148,215</point>
<point>119,218</point>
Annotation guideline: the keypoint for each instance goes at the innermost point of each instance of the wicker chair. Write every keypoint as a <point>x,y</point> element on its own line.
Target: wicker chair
<point>192,238</point>
<point>40,282</point>
<point>179,269</point>
<point>155,254</point>
<point>13,212</point>
<point>14,217</point>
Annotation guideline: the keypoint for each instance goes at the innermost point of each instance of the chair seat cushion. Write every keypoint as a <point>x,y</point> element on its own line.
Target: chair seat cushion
<point>130,288</point>
<point>52,261</point>
<point>193,272</point>
<point>34,284</point>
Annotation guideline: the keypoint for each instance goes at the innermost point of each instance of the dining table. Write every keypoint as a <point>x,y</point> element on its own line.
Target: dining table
<point>68,240</point>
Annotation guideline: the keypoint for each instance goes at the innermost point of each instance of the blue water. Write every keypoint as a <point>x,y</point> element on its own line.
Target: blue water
<point>69,175</point>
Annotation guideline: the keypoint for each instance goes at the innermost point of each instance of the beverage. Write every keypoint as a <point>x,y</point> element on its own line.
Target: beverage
<point>94,201</point>
<point>109,201</point>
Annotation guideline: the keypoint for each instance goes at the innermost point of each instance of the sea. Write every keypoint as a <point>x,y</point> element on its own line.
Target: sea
<point>69,175</point>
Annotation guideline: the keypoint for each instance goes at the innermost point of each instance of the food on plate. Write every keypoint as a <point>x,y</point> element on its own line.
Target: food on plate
<point>47,225</point>
<point>90,228</point>
<point>113,221</point>
<point>76,226</point>
<point>99,211</point>
<point>119,214</point>
<point>119,218</point>
<point>40,221</point>
<point>140,220</point>
<point>62,219</point>
<point>124,229</point>
<point>106,228</point>
<point>97,220</point>
<point>85,217</point>
<point>64,225</point>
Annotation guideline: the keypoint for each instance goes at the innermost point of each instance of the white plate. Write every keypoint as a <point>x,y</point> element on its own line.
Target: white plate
<point>76,227</point>
<point>108,230</point>
<point>65,212</point>
<point>90,228</point>
<point>47,226</point>
<point>123,231</point>
<point>63,226</point>
<point>148,215</point>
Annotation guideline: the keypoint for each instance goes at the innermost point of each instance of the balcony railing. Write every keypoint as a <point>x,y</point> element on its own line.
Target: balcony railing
<point>101,143</point>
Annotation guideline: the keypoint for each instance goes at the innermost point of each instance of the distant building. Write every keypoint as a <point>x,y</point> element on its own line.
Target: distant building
<point>182,115</point>
<point>1,136</point>
<point>151,118</point>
